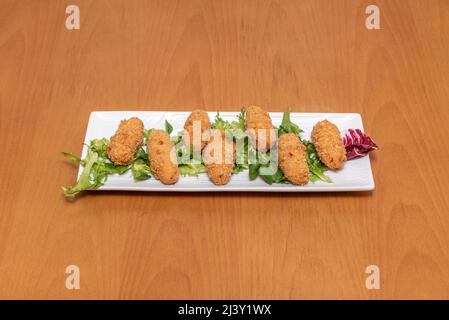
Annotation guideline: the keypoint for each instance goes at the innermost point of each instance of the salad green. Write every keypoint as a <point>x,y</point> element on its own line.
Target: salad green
<point>97,167</point>
<point>140,168</point>
<point>287,126</point>
<point>316,167</point>
<point>237,129</point>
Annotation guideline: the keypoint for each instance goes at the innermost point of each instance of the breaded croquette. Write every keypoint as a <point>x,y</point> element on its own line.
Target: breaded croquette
<point>328,144</point>
<point>162,157</point>
<point>258,119</point>
<point>203,120</point>
<point>125,142</point>
<point>292,159</point>
<point>219,157</point>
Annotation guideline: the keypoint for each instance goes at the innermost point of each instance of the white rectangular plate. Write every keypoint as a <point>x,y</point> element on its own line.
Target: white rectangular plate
<point>355,176</point>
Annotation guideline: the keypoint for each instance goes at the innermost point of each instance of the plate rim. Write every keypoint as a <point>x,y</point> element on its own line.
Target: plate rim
<point>369,186</point>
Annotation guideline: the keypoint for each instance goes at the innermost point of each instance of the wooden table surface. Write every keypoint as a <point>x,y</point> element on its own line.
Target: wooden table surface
<point>316,56</point>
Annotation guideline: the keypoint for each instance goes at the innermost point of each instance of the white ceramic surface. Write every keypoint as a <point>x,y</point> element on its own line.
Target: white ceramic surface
<point>355,176</point>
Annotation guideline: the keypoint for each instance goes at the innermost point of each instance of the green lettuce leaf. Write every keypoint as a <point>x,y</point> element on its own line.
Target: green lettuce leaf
<point>239,168</point>
<point>84,181</point>
<point>100,146</point>
<point>237,129</point>
<point>97,167</point>
<point>254,171</point>
<point>146,135</point>
<point>220,123</point>
<point>260,162</point>
<point>277,177</point>
<point>191,169</point>
<point>140,170</point>
<point>178,138</point>
<point>316,167</point>
<point>287,126</point>
<point>168,127</point>
<point>72,157</point>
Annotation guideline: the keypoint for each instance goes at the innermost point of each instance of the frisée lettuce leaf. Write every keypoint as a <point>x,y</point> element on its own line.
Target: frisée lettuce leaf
<point>237,129</point>
<point>140,168</point>
<point>97,167</point>
<point>191,169</point>
<point>84,182</point>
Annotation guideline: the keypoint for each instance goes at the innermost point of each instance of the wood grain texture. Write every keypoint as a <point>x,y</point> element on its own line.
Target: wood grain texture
<point>313,55</point>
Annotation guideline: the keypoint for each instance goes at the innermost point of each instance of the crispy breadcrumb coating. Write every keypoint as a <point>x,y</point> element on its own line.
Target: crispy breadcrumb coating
<point>161,153</point>
<point>203,118</point>
<point>292,159</point>
<point>219,157</point>
<point>328,144</point>
<point>125,142</point>
<point>257,121</point>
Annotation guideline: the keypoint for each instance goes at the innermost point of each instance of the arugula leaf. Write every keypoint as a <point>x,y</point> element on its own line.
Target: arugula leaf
<point>277,177</point>
<point>239,168</point>
<point>287,126</point>
<point>316,167</point>
<point>263,165</point>
<point>168,127</point>
<point>267,165</point>
<point>253,170</point>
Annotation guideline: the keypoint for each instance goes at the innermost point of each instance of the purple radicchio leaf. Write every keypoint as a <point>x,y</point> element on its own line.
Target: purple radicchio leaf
<point>357,144</point>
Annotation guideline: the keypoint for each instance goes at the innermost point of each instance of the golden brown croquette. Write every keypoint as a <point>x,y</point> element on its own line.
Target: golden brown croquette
<point>258,121</point>
<point>219,157</point>
<point>161,153</point>
<point>125,142</point>
<point>202,118</point>
<point>328,144</point>
<point>292,159</point>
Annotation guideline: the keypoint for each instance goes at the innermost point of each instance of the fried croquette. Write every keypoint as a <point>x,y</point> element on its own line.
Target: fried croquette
<point>219,157</point>
<point>292,159</point>
<point>125,142</point>
<point>162,157</point>
<point>329,145</point>
<point>257,121</point>
<point>202,118</point>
